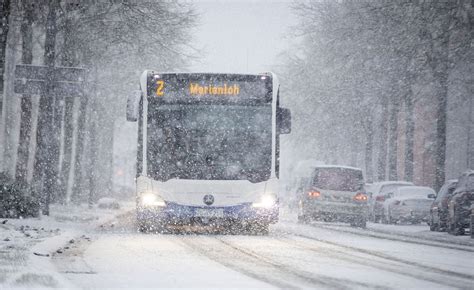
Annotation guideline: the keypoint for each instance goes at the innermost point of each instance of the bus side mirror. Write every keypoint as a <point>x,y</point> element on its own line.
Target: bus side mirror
<point>284,120</point>
<point>133,102</point>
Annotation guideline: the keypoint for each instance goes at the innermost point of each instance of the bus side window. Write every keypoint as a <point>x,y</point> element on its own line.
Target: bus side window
<point>140,139</point>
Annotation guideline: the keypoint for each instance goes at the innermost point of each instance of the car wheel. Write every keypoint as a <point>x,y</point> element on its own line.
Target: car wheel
<point>380,219</point>
<point>377,219</point>
<point>142,226</point>
<point>315,217</point>
<point>372,217</point>
<point>453,226</point>
<point>431,224</point>
<point>327,219</point>
<point>442,225</point>
<point>389,219</point>
<point>471,225</point>
<point>303,219</point>
<point>362,223</point>
<point>450,226</point>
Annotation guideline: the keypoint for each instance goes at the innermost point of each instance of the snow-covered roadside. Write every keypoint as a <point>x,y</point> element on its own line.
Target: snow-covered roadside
<point>27,245</point>
<point>400,231</point>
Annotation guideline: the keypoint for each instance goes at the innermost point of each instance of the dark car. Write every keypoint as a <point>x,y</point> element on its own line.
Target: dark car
<point>459,207</point>
<point>439,207</point>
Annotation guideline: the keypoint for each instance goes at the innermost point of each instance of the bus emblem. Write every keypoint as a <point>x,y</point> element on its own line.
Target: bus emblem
<point>208,199</point>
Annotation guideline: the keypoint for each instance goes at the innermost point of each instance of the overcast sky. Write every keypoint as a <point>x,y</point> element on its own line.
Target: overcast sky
<point>241,35</point>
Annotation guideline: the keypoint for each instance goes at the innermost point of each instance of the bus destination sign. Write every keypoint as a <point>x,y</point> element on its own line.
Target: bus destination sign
<point>209,88</point>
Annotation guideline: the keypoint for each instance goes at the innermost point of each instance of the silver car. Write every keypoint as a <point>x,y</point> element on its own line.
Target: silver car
<point>334,193</point>
<point>408,204</point>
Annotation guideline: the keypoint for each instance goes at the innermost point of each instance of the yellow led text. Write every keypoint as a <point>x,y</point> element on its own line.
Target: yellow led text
<point>196,89</point>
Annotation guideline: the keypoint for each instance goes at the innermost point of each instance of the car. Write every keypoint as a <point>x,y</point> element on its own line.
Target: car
<point>378,193</point>
<point>439,207</point>
<point>408,204</point>
<point>472,221</point>
<point>459,207</point>
<point>334,193</point>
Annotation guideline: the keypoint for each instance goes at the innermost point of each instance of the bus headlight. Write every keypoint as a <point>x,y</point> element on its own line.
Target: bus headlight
<point>150,199</point>
<point>266,201</point>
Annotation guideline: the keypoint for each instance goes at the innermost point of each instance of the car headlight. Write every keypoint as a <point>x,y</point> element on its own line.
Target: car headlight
<point>266,201</point>
<point>150,199</point>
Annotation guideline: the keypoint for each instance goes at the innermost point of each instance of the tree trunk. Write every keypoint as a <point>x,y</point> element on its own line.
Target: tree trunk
<point>442,106</point>
<point>67,155</point>
<point>393,140</point>
<point>382,156</point>
<point>369,147</point>
<point>409,136</point>
<point>440,66</point>
<point>93,155</point>
<point>26,106</point>
<point>68,60</point>
<point>470,133</point>
<point>46,165</point>
<point>78,159</point>
<point>4,27</point>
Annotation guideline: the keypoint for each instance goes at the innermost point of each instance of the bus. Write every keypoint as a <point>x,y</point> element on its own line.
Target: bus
<point>208,150</point>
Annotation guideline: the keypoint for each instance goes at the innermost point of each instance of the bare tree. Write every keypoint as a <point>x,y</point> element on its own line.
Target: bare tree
<point>4,26</point>
<point>365,55</point>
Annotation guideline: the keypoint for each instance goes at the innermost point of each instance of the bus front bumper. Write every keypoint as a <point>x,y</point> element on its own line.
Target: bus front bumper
<point>178,214</point>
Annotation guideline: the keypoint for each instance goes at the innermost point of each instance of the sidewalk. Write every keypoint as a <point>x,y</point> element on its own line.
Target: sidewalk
<point>27,245</point>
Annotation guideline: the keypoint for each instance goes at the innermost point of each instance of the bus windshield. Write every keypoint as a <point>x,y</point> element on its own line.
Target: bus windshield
<point>209,142</point>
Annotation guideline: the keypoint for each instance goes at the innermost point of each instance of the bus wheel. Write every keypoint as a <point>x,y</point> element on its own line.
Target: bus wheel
<point>362,223</point>
<point>142,227</point>
<point>303,219</point>
<point>258,228</point>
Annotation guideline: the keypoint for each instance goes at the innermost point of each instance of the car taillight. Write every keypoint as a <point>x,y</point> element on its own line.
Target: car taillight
<point>314,193</point>
<point>380,198</point>
<point>360,196</point>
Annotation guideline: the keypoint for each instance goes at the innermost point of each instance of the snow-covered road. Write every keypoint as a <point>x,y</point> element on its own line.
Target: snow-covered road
<point>291,256</point>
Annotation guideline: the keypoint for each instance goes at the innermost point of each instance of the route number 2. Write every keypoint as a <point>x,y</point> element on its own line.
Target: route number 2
<point>160,86</point>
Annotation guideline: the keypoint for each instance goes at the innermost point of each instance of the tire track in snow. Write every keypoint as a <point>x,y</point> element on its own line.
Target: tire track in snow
<point>405,238</point>
<point>386,262</point>
<point>377,254</point>
<point>249,266</point>
<point>338,283</point>
<point>265,268</point>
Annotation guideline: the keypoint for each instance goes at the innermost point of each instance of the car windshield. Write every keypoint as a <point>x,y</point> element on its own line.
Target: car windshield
<point>341,179</point>
<point>209,142</point>
<point>470,182</point>
<point>447,189</point>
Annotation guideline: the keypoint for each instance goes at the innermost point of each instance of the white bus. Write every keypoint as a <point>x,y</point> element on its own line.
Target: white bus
<point>208,149</point>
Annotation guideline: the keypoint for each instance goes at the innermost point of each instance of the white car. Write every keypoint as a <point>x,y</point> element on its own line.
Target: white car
<point>378,193</point>
<point>408,204</point>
